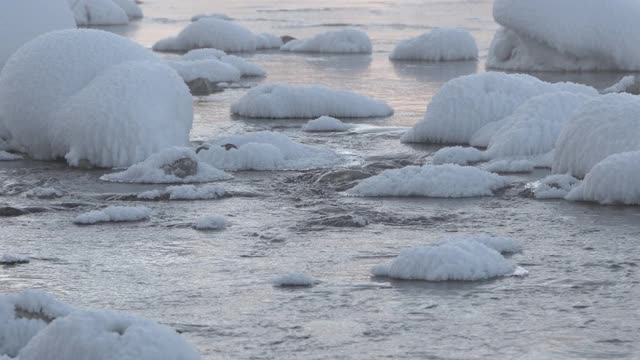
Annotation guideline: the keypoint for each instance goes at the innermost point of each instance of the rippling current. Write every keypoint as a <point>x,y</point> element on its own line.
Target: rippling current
<point>580,300</point>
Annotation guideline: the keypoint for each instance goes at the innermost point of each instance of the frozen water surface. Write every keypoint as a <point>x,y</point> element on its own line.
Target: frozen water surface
<point>580,299</point>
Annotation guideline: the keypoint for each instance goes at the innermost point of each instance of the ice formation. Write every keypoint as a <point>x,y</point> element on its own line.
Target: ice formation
<point>105,12</point>
<point>23,20</point>
<point>7,156</point>
<point>629,84</point>
<point>211,222</point>
<point>268,41</point>
<point>266,151</point>
<point>43,193</point>
<point>212,15</point>
<point>113,214</point>
<point>465,104</point>
<point>458,258</point>
<point>446,181</point>
<point>441,44</point>
<point>245,67</point>
<point>294,279</point>
<point>191,192</point>
<point>574,35</point>
<point>325,124</point>
<point>553,186</point>
<point>614,180</point>
<point>310,101</point>
<point>510,166</point>
<point>116,105</point>
<point>346,41</point>
<point>606,125</point>
<point>457,155</point>
<point>212,70</point>
<point>172,165</point>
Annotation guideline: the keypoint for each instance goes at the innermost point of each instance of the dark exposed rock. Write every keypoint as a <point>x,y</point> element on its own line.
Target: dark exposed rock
<point>229,147</point>
<point>10,211</point>
<point>181,168</point>
<point>202,87</point>
<point>286,38</point>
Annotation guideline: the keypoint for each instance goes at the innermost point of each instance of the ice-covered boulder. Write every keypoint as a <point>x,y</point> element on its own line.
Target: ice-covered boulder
<point>266,41</point>
<point>629,84</point>
<point>468,258</point>
<point>444,181</point>
<point>441,44</point>
<point>276,101</point>
<point>23,20</point>
<point>210,33</point>
<point>99,98</point>
<point>104,12</point>
<point>606,125</point>
<point>465,104</point>
<point>131,8</point>
<point>574,35</point>
<point>458,155</point>
<point>614,180</point>
<point>212,70</point>
<point>346,41</point>
<point>553,186</point>
<point>325,124</point>
<point>245,67</point>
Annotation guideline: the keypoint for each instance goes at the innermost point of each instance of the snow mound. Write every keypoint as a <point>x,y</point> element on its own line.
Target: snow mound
<point>457,155</point>
<point>191,192</point>
<point>212,70</point>
<point>268,41</point>
<point>553,186</point>
<point>629,84</point>
<point>325,124</point>
<point>210,33</point>
<point>213,222</point>
<point>510,166</point>
<point>606,125</point>
<point>101,99</point>
<point>614,180</point>
<point>442,44</point>
<point>445,181</point>
<point>245,67</point>
<point>346,41</point>
<point>574,35</point>
<point>102,12</point>
<point>21,21</point>
<point>7,156</point>
<point>458,259</point>
<point>44,193</point>
<point>311,101</point>
<point>131,8</point>
<point>266,151</point>
<point>113,214</point>
<point>465,104</point>
<point>158,169</point>
<point>293,279</point>
<point>203,54</point>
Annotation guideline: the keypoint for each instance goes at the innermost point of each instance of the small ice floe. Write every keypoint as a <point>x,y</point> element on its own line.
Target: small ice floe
<point>294,279</point>
<point>172,165</point>
<point>547,35</point>
<point>7,156</point>
<point>325,124</point>
<point>614,180</point>
<point>464,105</point>
<point>245,67</point>
<point>44,193</point>
<point>553,186</point>
<point>105,12</point>
<point>468,258</point>
<point>458,155</point>
<point>441,44</point>
<point>7,259</point>
<point>346,41</point>
<point>26,20</point>
<point>266,151</point>
<point>444,181</point>
<point>36,326</point>
<point>275,101</point>
<point>211,222</point>
<point>510,166</point>
<point>113,214</point>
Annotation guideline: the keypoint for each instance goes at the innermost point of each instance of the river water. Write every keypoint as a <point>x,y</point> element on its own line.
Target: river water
<point>580,300</point>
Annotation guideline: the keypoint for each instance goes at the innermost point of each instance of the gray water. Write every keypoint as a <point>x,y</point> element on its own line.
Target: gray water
<point>579,301</point>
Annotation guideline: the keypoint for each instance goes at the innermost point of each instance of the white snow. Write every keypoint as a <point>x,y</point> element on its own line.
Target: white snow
<point>325,124</point>
<point>575,35</point>
<point>266,151</point>
<point>113,214</point>
<point>457,155</point>
<point>294,279</point>
<point>268,41</point>
<point>459,258</point>
<point>446,181</point>
<point>151,170</point>
<point>130,7</point>
<point>98,12</point>
<point>212,70</point>
<point>203,54</point>
<point>510,166</point>
<point>553,186</point>
<point>614,180</point>
<point>100,98</point>
<point>345,41</point>
<point>245,67</point>
<point>307,101</point>
<point>7,156</point>
<point>192,192</point>
<point>606,125</point>
<point>465,104</point>
<point>23,20</point>
<point>441,44</point>
<point>628,83</point>
<point>43,193</point>
<point>210,32</point>
<point>211,222</point>
<point>8,259</point>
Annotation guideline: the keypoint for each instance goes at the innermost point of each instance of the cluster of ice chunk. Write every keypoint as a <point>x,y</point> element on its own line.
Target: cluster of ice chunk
<point>441,44</point>
<point>105,12</point>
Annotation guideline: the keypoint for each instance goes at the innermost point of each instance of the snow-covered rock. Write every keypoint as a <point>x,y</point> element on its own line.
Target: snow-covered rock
<point>614,180</point>
<point>310,101</point>
<point>191,192</point>
<point>553,186</point>
<point>446,181</point>
<point>629,84</point>
<point>113,214</point>
<point>457,155</point>
<point>459,258</point>
<point>212,222</point>
<point>131,8</point>
<point>212,70</point>
<point>210,33</point>
<point>606,125</point>
<point>101,99</point>
<point>325,124</point>
<point>7,156</point>
<point>294,279</point>
<point>346,41</point>
<point>268,41</point>
<point>266,151</point>
<point>160,168</point>
<point>465,104</point>
<point>575,35</point>
<point>441,44</point>
<point>23,20</point>
<point>245,67</point>
<point>99,12</point>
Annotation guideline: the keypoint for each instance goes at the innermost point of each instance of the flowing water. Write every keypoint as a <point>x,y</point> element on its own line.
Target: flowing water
<point>579,301</point>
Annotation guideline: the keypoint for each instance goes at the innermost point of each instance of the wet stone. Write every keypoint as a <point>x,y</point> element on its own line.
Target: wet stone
<point>181,168</point>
